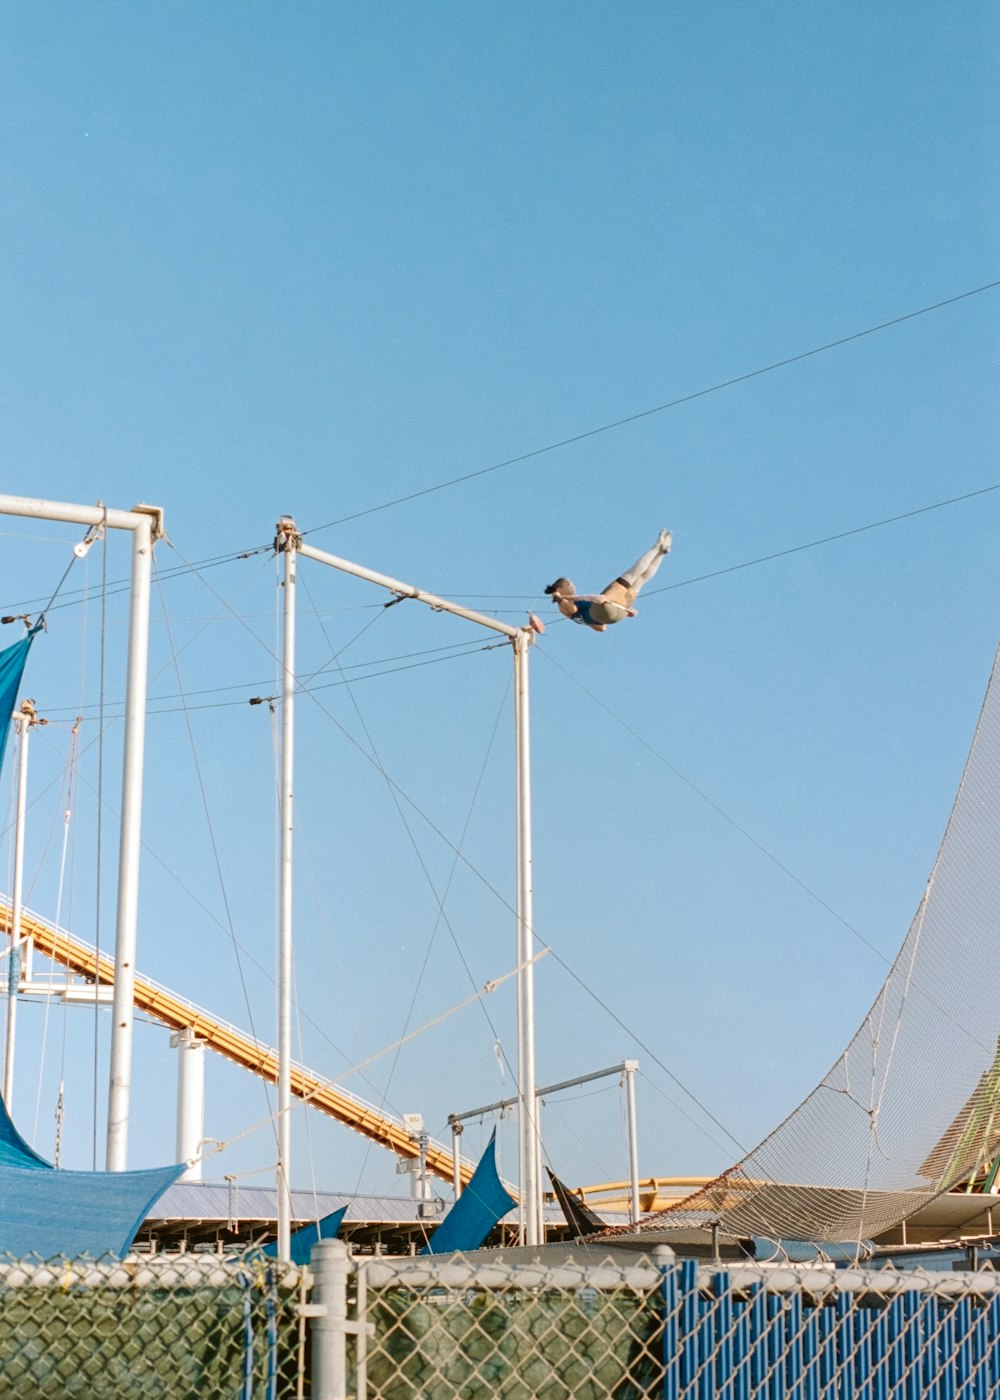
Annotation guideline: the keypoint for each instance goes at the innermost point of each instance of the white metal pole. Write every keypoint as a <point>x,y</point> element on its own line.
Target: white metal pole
<point>287,543</point>
<point>130,847</point>
<point>530,1193</point>
<point>407,590</point>
<point>633,1141</point>
<point>22,724</point>
<point>456,1164</point>
<point>146,525</point>
<point>190,1100</point>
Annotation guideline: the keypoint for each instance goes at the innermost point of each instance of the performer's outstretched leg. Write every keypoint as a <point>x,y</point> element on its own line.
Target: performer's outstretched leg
<point>627,584</point>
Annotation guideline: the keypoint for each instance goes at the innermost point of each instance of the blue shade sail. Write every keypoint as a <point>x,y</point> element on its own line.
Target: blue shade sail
<point>302,1241</point>
<point>12,663</point>
<point>49,1212</point>
<point>483,1202</point>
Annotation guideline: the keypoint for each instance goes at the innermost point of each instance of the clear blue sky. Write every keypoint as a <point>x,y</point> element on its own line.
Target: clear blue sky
<point>309,258</point>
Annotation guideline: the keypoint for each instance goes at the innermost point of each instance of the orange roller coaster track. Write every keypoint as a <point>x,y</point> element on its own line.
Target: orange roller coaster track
<point>177,1014</point>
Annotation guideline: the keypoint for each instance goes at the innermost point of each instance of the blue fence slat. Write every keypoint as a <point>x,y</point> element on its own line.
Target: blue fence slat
<point>879,1343</point>
<point>758,1340</point>
<point>706,1349</point>
<point>993,1347</point>
<point>793,1346</point>
<point>828,1325</point>
<point>810,1354</point>
<point>894,1345</point>
<point>947,1380</point>
<point>670,1352</point>
<point>723,1338</point>
<point>930,1363</point>
<point>845,1346</point>
<point>980,1352</point>
<point>775,1348</point>
<point>689,1317</point>
<point>964,1380</point>
<point>741,1347</point>
<point>912,1332</point>
<point>862,1359</point>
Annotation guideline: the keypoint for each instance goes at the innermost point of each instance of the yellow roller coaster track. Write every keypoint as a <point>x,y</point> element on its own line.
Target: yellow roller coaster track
<point>177,1013</point>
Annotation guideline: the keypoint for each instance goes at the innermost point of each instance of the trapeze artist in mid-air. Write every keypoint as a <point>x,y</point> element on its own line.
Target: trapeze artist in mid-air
<point>615,603</point>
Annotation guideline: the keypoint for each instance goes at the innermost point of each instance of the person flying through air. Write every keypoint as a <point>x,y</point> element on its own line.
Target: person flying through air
<point>600,610</point>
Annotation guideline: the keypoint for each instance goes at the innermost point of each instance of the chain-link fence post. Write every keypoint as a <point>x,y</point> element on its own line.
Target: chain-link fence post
<point>665,1259</point>
<point>331,1267</point>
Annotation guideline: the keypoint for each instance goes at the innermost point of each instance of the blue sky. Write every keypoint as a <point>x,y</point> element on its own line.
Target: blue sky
<point>263,259</point>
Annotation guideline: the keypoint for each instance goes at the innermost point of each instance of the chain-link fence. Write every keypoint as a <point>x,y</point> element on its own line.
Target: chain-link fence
<point>186,1328</point>
<point>458,1329</point>
<point>476,1328</point>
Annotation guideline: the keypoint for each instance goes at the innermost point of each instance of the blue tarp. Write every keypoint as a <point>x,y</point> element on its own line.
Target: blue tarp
<point>49,1212</point>
<point>302,1241</point>
<point>12,662</point>
<point>483,1202</point>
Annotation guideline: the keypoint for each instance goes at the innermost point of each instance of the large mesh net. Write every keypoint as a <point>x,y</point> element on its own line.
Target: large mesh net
<point>912,1106</point>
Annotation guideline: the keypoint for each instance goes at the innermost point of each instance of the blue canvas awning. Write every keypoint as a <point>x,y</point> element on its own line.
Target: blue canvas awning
<point>12,663</point>
<point>302,1241</point>
<point>49,1212</point>
<point>483,1202</point>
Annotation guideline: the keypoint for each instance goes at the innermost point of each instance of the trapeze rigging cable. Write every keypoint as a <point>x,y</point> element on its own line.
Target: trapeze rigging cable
<point>67,806</point>
<point>659,408</point>
<point>216,857</point>
<point>439,898</point>
<point>747,835</point>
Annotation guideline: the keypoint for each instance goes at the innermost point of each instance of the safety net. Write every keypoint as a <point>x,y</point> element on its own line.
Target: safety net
<point>912,1106</point>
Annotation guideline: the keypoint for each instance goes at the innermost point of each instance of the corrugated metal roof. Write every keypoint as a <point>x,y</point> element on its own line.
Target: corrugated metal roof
<point>218,1200</point>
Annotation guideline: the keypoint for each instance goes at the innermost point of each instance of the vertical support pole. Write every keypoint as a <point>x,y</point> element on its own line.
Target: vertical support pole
<point>331,1267</point>
<point>130,848</point>
<point>539,1173</point>
<point>23,721</point>
<point>287,543</point>
<point>456,1166</point>
<point>664,1260</point>
<point>633,1140</point>
<point>190,1099</point>
<point>530,1194</point>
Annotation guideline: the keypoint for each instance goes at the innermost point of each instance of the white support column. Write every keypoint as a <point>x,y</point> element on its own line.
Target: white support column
<point>23,720</point>
<point>190,1100</point>
<point>456,1162</point>
<point>130,848</point>
<point>146,525</point>
<point>286,543</point>
<point>630,1067</point>
<point>530,1193</point>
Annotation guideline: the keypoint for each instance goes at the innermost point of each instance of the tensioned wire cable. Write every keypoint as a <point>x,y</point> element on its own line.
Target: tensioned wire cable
<point>661,408</point>
<point>217,560</point>
<point>889,961</point>
<point>213,843</point>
